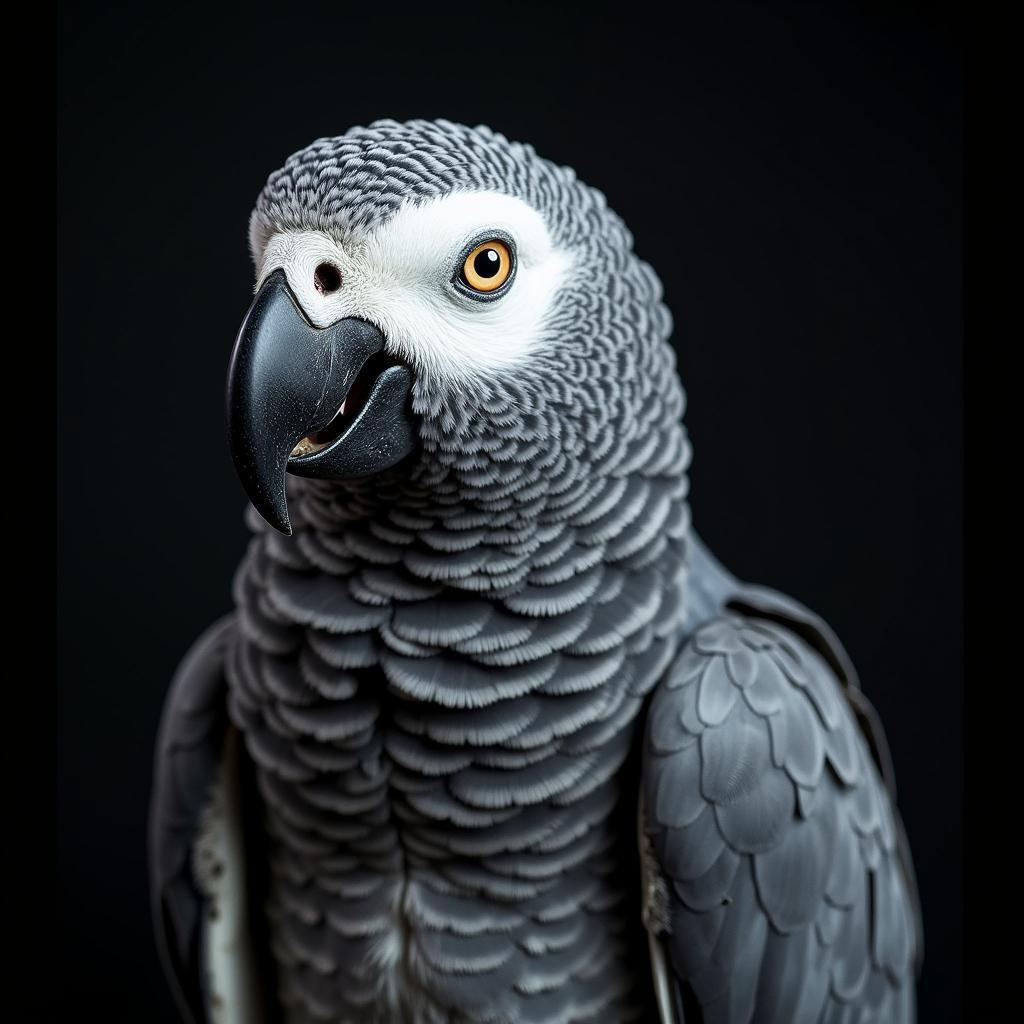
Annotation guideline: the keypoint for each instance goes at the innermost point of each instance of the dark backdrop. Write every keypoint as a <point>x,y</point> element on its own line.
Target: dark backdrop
<point>792,171</point>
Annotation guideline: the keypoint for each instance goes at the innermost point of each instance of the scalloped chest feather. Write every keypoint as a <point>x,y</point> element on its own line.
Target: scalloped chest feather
<point>439,713</point>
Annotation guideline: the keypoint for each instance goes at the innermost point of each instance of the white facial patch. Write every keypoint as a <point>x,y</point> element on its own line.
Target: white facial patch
<point>399,277</point>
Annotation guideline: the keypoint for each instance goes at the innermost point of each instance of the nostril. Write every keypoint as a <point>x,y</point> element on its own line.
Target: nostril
<point>327,278</point>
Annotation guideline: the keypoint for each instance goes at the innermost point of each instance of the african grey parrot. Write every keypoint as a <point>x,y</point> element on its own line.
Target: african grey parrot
<point>490,735</point>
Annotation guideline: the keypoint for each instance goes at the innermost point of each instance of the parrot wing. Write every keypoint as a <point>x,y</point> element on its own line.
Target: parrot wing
<point>201,816</point>
<point>777,880</point>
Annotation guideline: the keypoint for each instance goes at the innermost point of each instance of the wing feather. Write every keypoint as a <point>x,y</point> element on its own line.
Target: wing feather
<point>197,829</point>
<point>768,813</point>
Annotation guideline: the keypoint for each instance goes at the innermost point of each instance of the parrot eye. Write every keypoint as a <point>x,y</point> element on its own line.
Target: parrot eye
<point>487,267</point>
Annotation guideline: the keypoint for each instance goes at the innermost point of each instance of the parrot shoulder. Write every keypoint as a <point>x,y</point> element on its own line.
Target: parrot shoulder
<point>777,882</point>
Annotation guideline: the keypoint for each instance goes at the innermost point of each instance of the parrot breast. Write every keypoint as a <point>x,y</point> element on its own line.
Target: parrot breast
<point>439,685</point>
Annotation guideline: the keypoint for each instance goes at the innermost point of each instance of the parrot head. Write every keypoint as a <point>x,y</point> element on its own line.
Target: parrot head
<point>438,306</point>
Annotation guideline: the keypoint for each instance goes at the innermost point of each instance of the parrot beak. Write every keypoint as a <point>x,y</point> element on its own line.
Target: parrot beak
<point>315,402</point>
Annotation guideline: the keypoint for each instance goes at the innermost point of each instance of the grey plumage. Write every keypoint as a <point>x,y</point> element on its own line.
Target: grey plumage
<point>774,830</point>
<point>439,680</point>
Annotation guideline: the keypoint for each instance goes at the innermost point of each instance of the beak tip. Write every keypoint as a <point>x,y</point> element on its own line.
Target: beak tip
<point>273,512</point>
<point>279,520</point>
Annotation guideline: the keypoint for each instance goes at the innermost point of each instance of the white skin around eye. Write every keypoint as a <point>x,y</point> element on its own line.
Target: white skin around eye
<point>399,278</point>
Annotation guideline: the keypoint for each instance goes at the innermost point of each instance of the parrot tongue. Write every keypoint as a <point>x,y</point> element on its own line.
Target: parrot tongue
<point>348,411</point>
<point>317,402</point>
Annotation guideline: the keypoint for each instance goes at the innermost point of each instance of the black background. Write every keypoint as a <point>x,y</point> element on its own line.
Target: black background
<point>792,171</point>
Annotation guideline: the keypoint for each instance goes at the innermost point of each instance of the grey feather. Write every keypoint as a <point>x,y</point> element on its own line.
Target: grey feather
<point>190,752</point>
<point>809,902</point>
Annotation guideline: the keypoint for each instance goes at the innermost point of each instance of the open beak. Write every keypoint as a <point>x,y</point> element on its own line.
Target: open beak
<point>315,402</point>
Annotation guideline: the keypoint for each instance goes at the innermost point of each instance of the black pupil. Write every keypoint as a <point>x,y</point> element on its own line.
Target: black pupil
<point>487,263</point>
